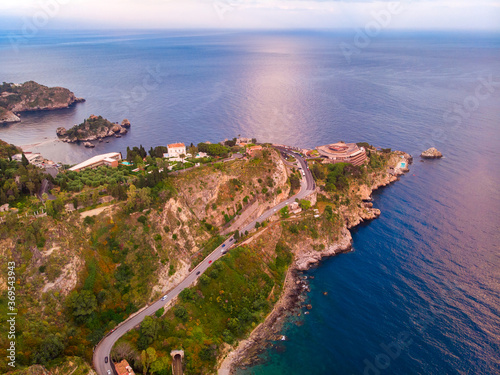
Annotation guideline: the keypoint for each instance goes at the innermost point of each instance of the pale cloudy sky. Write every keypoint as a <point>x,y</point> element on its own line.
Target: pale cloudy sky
<point>404,14</point>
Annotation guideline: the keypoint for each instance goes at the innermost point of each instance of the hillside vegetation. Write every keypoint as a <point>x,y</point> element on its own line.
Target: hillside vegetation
<point>78,276</point>
<point>114,240</point>
<point>31,96</point>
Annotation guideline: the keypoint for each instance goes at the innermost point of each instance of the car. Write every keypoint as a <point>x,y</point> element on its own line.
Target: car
<point>209,261</point>
<point>197,273</point>
<point>105,359</point>
<point>223,244</point>
<point>109,372</point>
<point>231,239</point>
<point>164,297</point>
<point>223,251</point>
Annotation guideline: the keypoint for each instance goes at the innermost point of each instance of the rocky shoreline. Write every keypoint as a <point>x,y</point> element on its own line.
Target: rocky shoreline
<point>32,97</point>
<point>86,132</point>
<point>293,296</point>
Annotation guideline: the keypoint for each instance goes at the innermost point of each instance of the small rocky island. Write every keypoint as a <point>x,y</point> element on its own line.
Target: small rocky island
<point>95,128</point>
<point>31,96</point>
<point>431,153</point>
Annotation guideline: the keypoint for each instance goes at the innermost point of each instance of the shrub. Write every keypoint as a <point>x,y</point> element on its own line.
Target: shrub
<point>181,313</point>
<point>89,220</point>
<point>159,312</point>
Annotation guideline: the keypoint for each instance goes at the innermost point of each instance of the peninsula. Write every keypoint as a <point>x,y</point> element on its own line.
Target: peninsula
<point>31,96</point>
<point>138,260</point>
<point>92,129</point>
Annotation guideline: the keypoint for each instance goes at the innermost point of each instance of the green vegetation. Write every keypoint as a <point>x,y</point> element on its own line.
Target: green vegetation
<point>234,295</point>
<point>214,149</point>
<point>18,182</point>
<point>31,95</point>
<point>94,125</point>
<point>79,277</point>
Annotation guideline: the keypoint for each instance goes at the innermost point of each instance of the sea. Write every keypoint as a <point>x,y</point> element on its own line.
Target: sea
<point>420,292</point>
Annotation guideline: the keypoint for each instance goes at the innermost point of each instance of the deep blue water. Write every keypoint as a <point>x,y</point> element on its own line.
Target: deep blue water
<point>427,272</point>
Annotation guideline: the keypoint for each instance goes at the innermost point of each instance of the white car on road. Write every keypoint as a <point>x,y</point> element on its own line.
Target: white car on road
<point>164,297</point>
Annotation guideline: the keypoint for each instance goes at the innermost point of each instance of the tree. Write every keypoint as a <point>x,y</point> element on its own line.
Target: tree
<point>24,160</point>
<point>50,348</point>
<point>305,204</point>
<point>186,295</point>
<point>160,366</point>
<point>123,350</point>
<point>329,212</point>
<point>147,332</point>
<point>148,356</point>
<point>82,305</point>
<point>181,312</point>
<point>284,212</point>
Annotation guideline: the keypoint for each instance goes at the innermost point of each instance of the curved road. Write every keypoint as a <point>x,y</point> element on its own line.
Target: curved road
<point>103,349</point>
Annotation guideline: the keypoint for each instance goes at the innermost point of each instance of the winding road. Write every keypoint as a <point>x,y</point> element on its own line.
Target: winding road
<point>103,349</point>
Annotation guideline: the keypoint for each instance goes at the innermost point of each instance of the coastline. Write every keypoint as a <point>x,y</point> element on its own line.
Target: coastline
<point>246,352</point>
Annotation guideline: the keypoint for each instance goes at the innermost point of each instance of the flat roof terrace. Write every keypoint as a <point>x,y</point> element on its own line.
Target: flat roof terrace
<point>338,150</point>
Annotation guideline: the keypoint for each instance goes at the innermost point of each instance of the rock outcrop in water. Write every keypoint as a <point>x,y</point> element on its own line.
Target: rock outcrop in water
<point>95,128</point>
<point>31,96</point>
<point>431,153</point>
<point>7,116</point>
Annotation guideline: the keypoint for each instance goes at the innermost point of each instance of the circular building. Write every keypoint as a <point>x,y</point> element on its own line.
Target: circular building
<point>341,152</point>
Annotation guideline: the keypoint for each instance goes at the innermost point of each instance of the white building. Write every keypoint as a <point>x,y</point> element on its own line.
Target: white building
<point>32,157</point>
<point>176,149</point>
<point>111,159</point>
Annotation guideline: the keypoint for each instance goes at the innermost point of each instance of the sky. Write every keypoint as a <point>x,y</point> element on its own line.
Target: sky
<point>252,14</point>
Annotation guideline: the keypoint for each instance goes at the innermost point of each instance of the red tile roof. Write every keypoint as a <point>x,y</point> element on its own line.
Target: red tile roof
<point>175,145</point>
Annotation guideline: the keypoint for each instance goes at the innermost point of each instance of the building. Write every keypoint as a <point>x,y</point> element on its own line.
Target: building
<point>123,368</point>
<point>243,141</point>
<point>251,150</point>
<point>32,157</point>
<point>341,152</point>
<point>111,160</point>
<point>176,149</point>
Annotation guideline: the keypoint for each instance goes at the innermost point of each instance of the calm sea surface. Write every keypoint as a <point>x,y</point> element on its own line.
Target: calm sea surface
<point>421,292</point>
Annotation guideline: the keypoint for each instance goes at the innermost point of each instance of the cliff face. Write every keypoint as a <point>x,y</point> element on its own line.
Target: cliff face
<point>7,116</point>
<point>93,128</point>
<point>31,96</point>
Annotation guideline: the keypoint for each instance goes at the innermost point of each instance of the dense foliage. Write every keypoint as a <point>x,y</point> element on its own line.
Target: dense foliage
<point>213,149</point>
<point>232,297</point>
<point>17,181</point>
<point>90,126</point>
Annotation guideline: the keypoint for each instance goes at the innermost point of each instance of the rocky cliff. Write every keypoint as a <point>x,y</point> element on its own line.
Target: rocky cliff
<point>7,116</point>
<point>92,129</point>
<point>431,153</point>
<point>31,96</point>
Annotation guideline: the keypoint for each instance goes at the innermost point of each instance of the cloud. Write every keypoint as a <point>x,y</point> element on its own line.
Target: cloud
<point>424,14</point>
